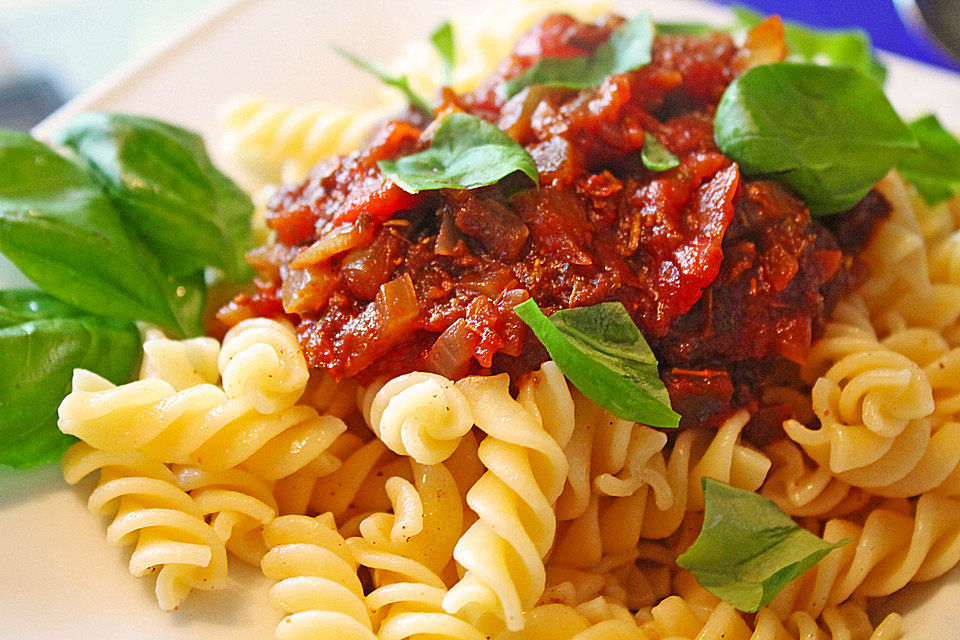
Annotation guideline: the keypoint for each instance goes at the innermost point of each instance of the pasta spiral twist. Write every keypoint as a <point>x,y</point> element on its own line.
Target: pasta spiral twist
<point>896,544</point>
<point>260,359</point>
<point>677,619</point>
<point>421,415</point>
<point>317,584</point>
<point>280,141</point>
<point>864,402</point>
<point>199,425</point>
<point>503,551</point>
<point>236,504</point>
<point>407,550</point>
<point>151,512</point>
<point>182,363</point>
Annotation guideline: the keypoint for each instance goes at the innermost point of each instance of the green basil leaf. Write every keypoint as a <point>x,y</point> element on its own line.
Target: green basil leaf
<point>935,168</point>
<point>167,190</point>
<point>655,156</point>
<point>827,132</point>
<point>748,550</point>
<point>836,47</point>
<point>601,351</point>
<point>629,47</point>
<point>400,83</point>
<point>465,152</point>
<point>686,28</point>
<point>43,350</point>
<point>442,40</point>
<point>60,230</point>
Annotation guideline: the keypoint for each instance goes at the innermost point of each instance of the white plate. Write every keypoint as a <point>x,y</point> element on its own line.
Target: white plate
<point>58,578</point>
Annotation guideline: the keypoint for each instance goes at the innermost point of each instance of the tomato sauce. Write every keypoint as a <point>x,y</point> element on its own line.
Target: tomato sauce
<point>727,278</point>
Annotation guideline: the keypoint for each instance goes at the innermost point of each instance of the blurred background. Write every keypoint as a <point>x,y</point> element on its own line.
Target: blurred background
<point>50,50</point>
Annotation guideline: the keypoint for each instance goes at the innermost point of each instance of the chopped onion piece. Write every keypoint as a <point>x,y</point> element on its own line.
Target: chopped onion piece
<point>307,289</point>
<point>397,305</point>
<point>341,239</point>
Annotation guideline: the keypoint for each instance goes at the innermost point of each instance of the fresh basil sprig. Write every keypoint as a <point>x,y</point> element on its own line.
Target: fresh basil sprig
<point>655,156</point>
<point>827,132</point>
<point>628,47</point>
<point>748,550</point>
<point>601,351</point>
<point>62,232</point>
<point>42,341</point>
<point>934,169</point>
<point>835,47</point>
<point>465,152</point>
<point>442,40</point>
<point>165,187</point>
<point>400,83</point>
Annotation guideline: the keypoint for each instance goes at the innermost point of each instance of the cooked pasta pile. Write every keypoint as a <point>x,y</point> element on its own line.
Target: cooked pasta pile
<point>423,507</point>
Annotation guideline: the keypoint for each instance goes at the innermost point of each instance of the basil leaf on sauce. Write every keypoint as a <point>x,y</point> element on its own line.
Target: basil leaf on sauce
<point>60,230</point>
<point>935,168</point>
<point>442,40</point>
<point>829,133</point>
<point>629,47</point>
<point>748,550</point>
<point>42,341</point>
<point>836,47</point>
<point>465,152</point>
<point>686,28</point>
<point>601,351</point>
<point>400,83</point>
<point>164,186</point>
<point>655,156</point>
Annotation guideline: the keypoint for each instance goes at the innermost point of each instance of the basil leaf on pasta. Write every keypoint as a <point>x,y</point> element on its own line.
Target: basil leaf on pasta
<point>829,133</point>
<point>442,40</point>
<point>748,550</point>
<point>400,83</point>
<point>628,48</point>
<point>836,47</point>
<point>466,152</point>
<point>655,156</point>
<point>62,232</point>
<point>43,340</point>
<point>935,168</point>
<point>601,351</point>
<point>166,189</point>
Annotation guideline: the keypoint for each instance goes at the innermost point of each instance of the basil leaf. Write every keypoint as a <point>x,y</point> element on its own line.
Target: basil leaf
<point>43,350</point>
<point>600,350</point>
<point>836,47</point>
<point>442,40</point>
<point>465,152</point>
<point>629,47</point>
<point>655,156</point>
<point>827,132</point>
<point>686,28</point>
<point>935,169</point>
<point>748,550</point>
<point>167,190</point>
<point>60,230</point>
<point>400,83</point>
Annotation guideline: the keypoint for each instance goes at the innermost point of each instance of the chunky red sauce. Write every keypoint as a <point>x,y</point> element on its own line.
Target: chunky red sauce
<point>726,278</point>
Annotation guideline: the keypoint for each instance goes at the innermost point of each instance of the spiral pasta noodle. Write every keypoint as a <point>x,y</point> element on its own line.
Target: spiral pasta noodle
<point>260,359</point>
<point>151,512</point>
<point>503,551</point>
<point>280,141</point>
<point>317,584</point>
<point>421,415</point>
<point>181,363</point>
<point>200,425</point>
<point>897,543</point>
<point>235,503</point>
<point>407,550</point>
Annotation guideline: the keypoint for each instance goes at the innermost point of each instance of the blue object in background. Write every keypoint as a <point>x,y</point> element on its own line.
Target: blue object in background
<point>878,17</point>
